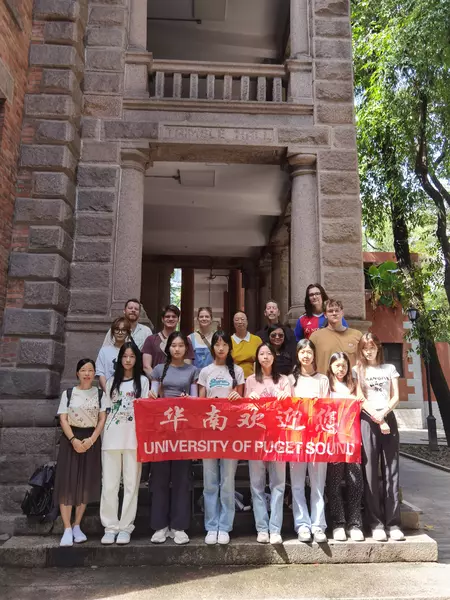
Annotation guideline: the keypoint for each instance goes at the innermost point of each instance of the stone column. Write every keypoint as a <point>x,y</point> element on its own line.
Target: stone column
<point>187,301</point>
<point>305,241</point>
<point>300,36</point>
<point>251,298</point>
<point>138,59</point>
<point>137,34</point>
<point>299,64</point>
<point>127,268</point>
<point>280,278</point>
<point>165,272</point>
<point>265,285</point>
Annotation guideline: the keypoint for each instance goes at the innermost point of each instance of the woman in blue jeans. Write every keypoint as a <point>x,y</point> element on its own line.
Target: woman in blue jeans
<point>267,383</point>
<point>224,380</point>
<point>307,383</point>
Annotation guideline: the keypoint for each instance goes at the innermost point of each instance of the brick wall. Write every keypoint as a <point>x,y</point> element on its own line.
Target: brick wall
<point>15,29</point>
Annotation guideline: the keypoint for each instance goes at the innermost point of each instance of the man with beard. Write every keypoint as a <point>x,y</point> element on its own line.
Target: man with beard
<point>139,332</point>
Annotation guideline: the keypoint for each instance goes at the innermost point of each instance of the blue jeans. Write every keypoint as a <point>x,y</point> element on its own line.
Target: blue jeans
<point>277,482</point>
<point>317,477</point>
<point>218,493</point>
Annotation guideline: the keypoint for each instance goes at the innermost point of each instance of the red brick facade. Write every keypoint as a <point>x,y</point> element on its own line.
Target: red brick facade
<point>15,32</point>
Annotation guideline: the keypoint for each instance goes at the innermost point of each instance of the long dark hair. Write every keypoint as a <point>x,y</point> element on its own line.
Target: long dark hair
<point>173,336</point>
<point>308,304</point>
<point>297,371</point>
<point>137,369</point>
<point>259,375</point>
<point>348,379</point>
<point>225,337</point>
<point>361,363</point>
<point>273,328</point>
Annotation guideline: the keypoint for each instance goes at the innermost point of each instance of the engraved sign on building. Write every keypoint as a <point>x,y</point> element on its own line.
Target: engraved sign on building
<point>214,134</point>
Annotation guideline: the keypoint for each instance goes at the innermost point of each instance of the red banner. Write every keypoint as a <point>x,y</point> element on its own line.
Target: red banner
<point>295,429</point>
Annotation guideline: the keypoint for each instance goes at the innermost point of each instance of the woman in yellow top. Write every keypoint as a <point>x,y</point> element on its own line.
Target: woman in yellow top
<point>245,344</point>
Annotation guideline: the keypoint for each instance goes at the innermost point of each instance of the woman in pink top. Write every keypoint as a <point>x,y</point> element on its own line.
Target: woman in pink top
<point>267,383</point>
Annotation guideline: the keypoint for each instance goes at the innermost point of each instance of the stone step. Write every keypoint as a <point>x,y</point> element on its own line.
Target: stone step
<point>33,551</point>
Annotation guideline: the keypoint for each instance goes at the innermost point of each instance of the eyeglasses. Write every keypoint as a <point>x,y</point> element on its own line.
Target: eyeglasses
<point>333,311</point>
<point>277,335</point>
<point>314,294</point>
<point>119,331</point>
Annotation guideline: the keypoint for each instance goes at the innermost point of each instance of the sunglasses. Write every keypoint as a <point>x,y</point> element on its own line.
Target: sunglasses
<point>277,335</point>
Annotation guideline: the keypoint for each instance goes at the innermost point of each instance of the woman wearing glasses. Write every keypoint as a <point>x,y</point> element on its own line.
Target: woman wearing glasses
<point>285,354</point>
<point>314,317</point>
<point>107,357</point>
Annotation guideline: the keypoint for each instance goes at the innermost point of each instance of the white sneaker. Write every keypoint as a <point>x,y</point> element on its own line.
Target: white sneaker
<point>339,534</point>
<point>123,538</point>
<point>319,535</point>
<point>275,538</point>
<point>67,538</point>
<point>223,537</point>
<point>78,535</point>
<point>108,538</point>
<point>180,537</point>
<point>262,537</point>
<point>356,535</point>
<point>396,534</point>
<point>211,538</point>
<point>379,535</point>
<point>304,534</point>
<point>160,536</point>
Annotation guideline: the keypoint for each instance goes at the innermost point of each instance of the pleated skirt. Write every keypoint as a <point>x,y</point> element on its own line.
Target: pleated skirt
<point>78,476</point>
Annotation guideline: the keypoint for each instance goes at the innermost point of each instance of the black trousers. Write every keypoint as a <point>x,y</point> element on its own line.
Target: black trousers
<point>352,473</point>
<point>382,503</point>
<point>170,487</point>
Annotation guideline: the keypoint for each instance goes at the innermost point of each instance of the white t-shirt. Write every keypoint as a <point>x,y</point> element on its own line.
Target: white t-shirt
<point>217,381</point>
<point>316,386</point>
<point>105,364</point>
<point>378,384</point>
<point>120,430</point>
<point>139,335</point>
<point>83,408</point>
<point>342,390</point>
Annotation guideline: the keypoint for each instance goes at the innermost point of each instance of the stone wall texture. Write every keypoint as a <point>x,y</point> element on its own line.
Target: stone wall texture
<point>15,29</point>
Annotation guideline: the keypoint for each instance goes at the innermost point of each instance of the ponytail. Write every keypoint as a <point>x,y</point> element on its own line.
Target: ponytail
<point>230,364</point>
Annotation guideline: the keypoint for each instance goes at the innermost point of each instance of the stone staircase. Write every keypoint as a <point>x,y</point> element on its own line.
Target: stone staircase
<point>23,449</point>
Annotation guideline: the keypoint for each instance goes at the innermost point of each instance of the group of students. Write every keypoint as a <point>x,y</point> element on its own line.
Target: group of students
<point>213,364</point>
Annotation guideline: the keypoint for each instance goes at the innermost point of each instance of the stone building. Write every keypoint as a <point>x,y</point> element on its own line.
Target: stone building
<point>216,136</point>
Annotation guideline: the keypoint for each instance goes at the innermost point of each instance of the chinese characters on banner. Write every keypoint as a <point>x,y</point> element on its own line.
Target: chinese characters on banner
<point>295,429</point>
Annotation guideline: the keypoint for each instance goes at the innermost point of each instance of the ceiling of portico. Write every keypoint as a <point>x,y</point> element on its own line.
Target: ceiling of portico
<point>216,210</point>
<point>230,30</point>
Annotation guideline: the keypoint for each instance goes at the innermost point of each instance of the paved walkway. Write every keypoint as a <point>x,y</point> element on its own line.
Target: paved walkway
<point>420,436</point>
<point>429,489</point>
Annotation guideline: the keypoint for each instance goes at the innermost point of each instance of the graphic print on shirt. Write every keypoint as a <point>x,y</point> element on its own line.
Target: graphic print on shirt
<point>122,408</point>
<point>309,324</point>
<point>377,382</point>
<point>217,382</point>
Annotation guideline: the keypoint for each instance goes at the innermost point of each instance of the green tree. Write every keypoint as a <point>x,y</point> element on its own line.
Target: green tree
<point>402,79</point>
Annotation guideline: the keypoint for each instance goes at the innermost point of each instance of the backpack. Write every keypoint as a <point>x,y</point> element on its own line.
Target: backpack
<point>38,501</point>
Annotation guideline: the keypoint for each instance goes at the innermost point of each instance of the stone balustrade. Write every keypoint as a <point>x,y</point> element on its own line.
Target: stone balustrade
<point>218,82</point>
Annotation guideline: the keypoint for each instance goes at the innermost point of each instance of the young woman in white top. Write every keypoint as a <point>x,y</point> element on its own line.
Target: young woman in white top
<point>378,383</point>
<point>220,379</point>
<point>267,382</point>
<point>78,470</point>
<point>170,480</point>
<point>342,385</point>
<point>119,446</point>
<point>307,383</point>
<point>202,337</point>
